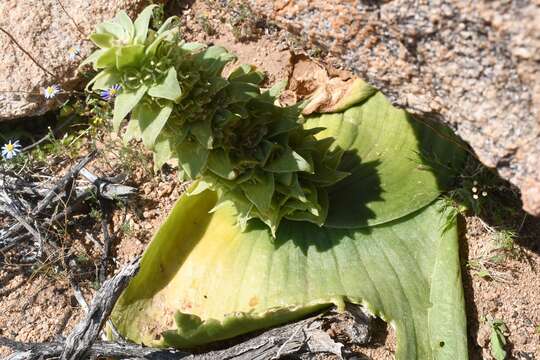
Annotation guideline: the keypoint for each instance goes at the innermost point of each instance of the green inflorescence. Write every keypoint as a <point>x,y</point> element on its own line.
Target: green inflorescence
<point>226,132</point>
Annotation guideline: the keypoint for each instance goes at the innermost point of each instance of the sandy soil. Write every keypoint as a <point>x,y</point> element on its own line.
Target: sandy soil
<point>38,304</point>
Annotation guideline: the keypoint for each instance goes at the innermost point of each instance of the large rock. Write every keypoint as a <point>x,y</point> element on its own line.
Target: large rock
<point>473,64</point>
<point>46,29</point>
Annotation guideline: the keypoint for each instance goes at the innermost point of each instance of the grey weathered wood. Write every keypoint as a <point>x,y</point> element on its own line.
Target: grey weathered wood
<point>51,194</point>
<point>299,340</point>
<point>86,332</point>
<point>296,340</point>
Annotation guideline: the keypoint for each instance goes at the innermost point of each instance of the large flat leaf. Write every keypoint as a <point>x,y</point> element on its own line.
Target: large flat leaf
<point>202,279</point>
<point>398,164</point>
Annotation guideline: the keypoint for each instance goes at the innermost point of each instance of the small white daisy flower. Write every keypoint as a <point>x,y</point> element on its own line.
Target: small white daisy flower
<point>484,193</point>
<point>10,150</point>
<point>475,197</point>
<point>51,91</point>
<point>73,52</point>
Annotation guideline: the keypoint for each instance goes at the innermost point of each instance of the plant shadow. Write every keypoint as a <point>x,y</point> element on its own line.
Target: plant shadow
<point>349,196</point>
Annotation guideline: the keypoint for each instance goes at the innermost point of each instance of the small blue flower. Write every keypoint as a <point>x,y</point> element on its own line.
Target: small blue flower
<point>111,92</point>
<point>73,52</point>
<point>51,91</point>
<point>10,150</point>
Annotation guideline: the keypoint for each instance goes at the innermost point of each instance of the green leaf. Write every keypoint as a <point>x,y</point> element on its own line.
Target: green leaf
<point>203,280</point>
<point>259,190</point>
<point>220,164</point>
<point>124,103</point>
<point>192,157</point>
<point>277,89</point>
<point>163,152</point>
<point>104,41</point>
<point>398,164</point>
<point>169,88</point>
<point>288,161</point>
<point>246,73</point>
<point>202,130</point>
<point>192,46</point>
<point>104,80</point>
<point>151,117</point>
<point>133,131</point>
<point>152,48</point>
<point>214,59</point>
<point>105,59</point>
<point>124,20</point>
<point>112,28</point>
<point>129,56</point>
<point>498,340</point>
<point>167,25</point>
<point>92,58</point>
<point>141,24</point>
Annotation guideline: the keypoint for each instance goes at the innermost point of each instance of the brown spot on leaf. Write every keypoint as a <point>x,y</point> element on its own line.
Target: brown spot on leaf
<point>253,301</point>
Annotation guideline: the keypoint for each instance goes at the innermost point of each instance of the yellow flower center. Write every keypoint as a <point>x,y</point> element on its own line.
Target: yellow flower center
<point>112,92</point>
<point>10,147</point>
<point>49,90</point>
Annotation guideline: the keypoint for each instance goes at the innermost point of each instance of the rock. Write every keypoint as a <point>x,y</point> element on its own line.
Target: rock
<point>46,31</point>
<point>475,65</point>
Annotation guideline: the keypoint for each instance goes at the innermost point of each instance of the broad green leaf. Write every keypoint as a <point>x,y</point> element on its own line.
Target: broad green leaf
<point>163,152</point>
<point>241,92</point>
<point>129,56</point>
<point>220,164</point>
<point>202,130</point>
<point>498,340</point>
<point>192,157</point>
<point>141,24</point>
<point>105,59</point>
<point>214,59</point>
<point>104,80</point>
<point>124,103</point>
<point>192,46</point>
<point>125,21</point>
<point>152,48</point>
<point>167,25</point>
<point>104,41</point>
<point>398,164</point>
<point>277,88</point>
<point>203,280</point>
<point>288,161</point>
<point>168,89</point>
<point>246,73</point>
<point>92,58</point>
<point>133,131</point>
<point>259,190</point>
<point>151,117</point>
<point>113,28</point>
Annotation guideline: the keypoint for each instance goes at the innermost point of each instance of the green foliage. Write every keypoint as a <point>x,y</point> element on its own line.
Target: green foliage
<point>225,131</point>
<point>203,280</point>
<point>389,248</point>
<point>397,162</point>
<point>483,193</point>
<point>371,173</point>
<point>498,339</point>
